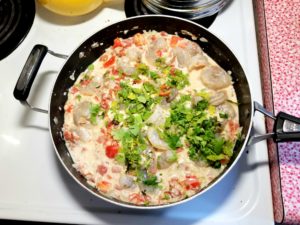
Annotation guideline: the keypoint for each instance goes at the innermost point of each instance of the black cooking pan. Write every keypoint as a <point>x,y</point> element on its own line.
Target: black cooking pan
<point>93,47</point>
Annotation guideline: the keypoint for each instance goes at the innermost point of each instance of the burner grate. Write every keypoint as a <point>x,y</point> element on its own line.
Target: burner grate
<point>16,18</point>
<point>136,8</point>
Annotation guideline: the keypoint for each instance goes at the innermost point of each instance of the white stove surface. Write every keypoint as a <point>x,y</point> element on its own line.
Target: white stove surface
<point>35,186</point>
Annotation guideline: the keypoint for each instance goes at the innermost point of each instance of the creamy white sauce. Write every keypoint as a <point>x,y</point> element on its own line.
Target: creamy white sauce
<point>88,139</point>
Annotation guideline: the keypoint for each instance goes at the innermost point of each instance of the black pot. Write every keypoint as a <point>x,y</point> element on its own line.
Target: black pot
<point>93,47</point>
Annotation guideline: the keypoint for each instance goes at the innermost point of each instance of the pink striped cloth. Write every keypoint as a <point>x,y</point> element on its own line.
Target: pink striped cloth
<point>278,25</point>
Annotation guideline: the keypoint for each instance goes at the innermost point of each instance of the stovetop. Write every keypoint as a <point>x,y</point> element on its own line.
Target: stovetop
<point>16,18</point>
<point>35,186</point>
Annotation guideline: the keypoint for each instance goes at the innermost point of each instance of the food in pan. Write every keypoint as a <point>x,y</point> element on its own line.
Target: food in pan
<point>153,121</point>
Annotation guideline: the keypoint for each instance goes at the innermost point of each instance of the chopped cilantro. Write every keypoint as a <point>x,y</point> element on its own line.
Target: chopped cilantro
<point>223,115</point>
<point>151,181</point>
<point>94,112</point>
<point>91,67</point>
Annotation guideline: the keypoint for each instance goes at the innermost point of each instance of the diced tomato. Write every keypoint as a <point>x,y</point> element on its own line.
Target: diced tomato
<point>174,40</point>
<point>103,186</point>
<point>102,169</point>
<point>191,183</point>
<point>224,161</point>
<point>139,198</point>
<point>233,128</point>
<point>104,103</point>
<point>85,82</point>
<point>117,43</point>
<point>172,71</point>
<point>111,151</point>
<point>114,71</point>
<point>158,53</point>
<point>74,90</point>
<point>69,108</point>
<point>109,62</point>
<point>117,88</point>
<point>163,33</point>
<point>69,136</point>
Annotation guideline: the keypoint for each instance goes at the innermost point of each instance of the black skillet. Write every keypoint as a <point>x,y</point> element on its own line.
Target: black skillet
<point>95,45</point>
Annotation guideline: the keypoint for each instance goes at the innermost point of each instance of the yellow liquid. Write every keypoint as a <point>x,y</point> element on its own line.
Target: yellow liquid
<point>71,7</point>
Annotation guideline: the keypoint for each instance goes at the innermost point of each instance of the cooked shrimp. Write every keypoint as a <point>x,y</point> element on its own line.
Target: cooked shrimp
<point>123,64</point>
<point>158,116</point>
<point>83,134</point>
<point>190,55</point>
<point>228,109</point>
<point>214,77</point>
<point>166,159</point>
<point>89,89</point>
<point>126,181</point>
<point>81,113</point>
<point>155,140</point>
<point>218,98</point>
<point>151,53</point>
<point>133,53</point>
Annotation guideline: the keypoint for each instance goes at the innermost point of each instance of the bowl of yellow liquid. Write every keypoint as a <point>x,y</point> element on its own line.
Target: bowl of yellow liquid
<point>71,7</point>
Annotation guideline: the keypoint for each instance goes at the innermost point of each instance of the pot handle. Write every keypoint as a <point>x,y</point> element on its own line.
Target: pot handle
<point>29,72</point>
<point>286,127</point>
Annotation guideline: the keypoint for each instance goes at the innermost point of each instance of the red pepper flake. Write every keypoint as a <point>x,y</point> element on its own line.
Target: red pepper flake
<point>109,62</point>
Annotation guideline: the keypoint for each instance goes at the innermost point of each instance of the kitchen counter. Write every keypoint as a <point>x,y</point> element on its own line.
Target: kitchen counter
<point>278,25</point>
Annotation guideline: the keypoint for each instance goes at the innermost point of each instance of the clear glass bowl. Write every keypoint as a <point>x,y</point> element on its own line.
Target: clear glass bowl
<point>189,9</point>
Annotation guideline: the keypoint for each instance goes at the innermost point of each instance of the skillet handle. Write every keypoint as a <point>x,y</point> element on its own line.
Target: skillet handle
<point>286,127</point>
<point>28,74</point>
